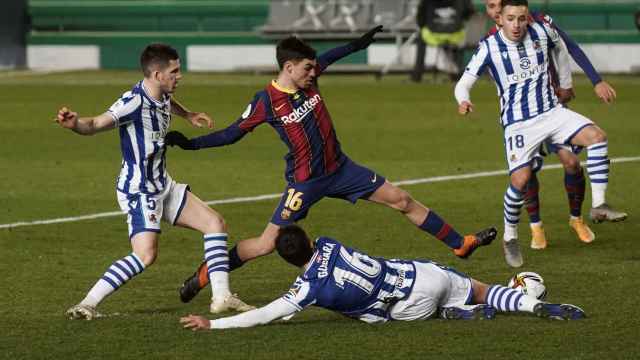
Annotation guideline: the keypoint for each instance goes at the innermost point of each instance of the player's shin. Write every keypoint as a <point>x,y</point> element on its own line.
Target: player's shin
<point>513,201</point>
<point>575,187</point>
<point>436,226</point>
<point>505,299</point>
<point>532,200</point>
<point>217,259</point>
<point>115,277</point>
<point>598,170</point>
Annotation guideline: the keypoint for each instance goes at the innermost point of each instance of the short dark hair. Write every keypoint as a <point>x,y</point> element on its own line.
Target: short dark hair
<point>515,3</point>
<point>294,49</point>
<point>293,245</point>
<point>156,55</point>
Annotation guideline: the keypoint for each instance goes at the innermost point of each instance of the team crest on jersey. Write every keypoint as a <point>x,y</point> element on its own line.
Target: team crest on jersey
<point>246,112</point>
<point>153,218</point>
<point>285,214</point>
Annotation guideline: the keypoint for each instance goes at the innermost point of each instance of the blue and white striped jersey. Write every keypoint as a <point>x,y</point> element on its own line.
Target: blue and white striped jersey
<point>520,71</point>
<point>344,280</point>
<point>143,123</point>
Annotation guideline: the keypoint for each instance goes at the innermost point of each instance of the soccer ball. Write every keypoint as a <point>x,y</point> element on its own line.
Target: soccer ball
<point>529,283</point>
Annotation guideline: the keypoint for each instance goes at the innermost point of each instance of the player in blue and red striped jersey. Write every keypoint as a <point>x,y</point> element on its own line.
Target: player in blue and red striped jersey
<point>574,177</point>
<point>316,166</point>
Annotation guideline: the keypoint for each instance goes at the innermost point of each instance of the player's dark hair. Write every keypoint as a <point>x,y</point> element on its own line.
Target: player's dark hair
<point>293,49</point>
<point>293,245</point>
<point>515,3</point>
<point>156,55</point>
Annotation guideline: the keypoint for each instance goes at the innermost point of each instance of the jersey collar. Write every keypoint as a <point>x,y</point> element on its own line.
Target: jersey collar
<point>282,88</point>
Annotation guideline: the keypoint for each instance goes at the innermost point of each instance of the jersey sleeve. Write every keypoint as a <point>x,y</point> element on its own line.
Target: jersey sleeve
<point>329,57</point>
<point>254,114</point>
<point>277,309</point>
<point>479,60</point>
<point>124,107</point>
<point>301,294</point>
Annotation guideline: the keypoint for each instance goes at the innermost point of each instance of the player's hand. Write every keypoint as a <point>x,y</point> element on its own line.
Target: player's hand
<point>199,119</point>
<point>465,107</point>
<point>605,92</point>
<point>195,323</point>
<point>67,118</point>
<point>365,40</point>
<point>565,95</point>
<point>177,138</point>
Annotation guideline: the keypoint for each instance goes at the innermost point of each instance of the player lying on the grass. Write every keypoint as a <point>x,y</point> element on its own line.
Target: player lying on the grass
<point>518,58</point>
<point>344,280</point>
<point>316,166</point>
<point>144,188</point>
<point>574,179</point>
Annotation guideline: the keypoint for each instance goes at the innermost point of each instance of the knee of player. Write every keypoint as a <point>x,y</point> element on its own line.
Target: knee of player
<point>148,257</point>
<point>600,136</point>
<point>216,224</point>
<point>571,165</point>
<point>519,181</point>
<point>403,200</point>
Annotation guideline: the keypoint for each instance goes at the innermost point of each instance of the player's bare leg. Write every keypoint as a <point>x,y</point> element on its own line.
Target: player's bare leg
<point>198,216</point>
<point>595,139</point>
<point>428,221</point>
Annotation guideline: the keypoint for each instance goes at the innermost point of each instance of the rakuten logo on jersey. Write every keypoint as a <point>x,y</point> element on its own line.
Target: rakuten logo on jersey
<point>301,111</point>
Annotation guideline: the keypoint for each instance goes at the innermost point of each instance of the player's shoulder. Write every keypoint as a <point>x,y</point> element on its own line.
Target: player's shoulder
<point>541,17</point>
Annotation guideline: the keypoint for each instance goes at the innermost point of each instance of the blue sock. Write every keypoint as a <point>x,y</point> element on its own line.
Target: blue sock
<point>435,226</point>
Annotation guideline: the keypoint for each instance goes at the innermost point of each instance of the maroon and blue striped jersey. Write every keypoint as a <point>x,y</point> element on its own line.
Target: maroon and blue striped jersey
<point>300,118</point>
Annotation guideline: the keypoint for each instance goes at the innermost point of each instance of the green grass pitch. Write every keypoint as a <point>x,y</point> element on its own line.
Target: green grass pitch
<point>402,130</point>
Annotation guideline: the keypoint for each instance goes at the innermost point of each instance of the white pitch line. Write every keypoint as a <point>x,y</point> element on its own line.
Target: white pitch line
<point>274,196</point>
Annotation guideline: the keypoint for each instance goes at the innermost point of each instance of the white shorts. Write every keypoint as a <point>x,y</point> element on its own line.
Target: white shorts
<point>522,140</point>
<point>435,286</point>
<point>144,212</point>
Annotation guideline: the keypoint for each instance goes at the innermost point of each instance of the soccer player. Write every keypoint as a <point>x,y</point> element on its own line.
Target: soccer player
<point>316,166</point>
<point>518,58</point>
<point>574,179</point>
<point>145,191</point>
<point>377,290</point>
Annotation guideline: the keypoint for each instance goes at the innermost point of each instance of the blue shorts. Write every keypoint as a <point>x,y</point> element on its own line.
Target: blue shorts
<point>350,182</point>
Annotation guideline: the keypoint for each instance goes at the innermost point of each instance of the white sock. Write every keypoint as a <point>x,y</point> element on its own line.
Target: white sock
<point>217,258</point>
<point>510,232</point>
<point>115,277</point>
<point>598,192</point>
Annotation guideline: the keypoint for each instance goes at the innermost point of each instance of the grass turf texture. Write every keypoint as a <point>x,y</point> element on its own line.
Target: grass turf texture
<point>401,130</point>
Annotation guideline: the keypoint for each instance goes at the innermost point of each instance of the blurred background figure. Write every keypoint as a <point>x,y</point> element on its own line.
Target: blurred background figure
<point>441,24</point>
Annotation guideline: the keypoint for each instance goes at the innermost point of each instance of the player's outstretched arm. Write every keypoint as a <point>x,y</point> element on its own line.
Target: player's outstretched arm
<point>197,119</point>
<point>69,119</point>
<point>329,57</point>
<point>275,310</point>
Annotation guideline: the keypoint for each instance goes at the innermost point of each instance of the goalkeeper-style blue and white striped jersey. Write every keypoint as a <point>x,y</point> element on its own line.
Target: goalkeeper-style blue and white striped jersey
<point>520,71</point>
<point>143,123</point>
<point>344,280</point>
